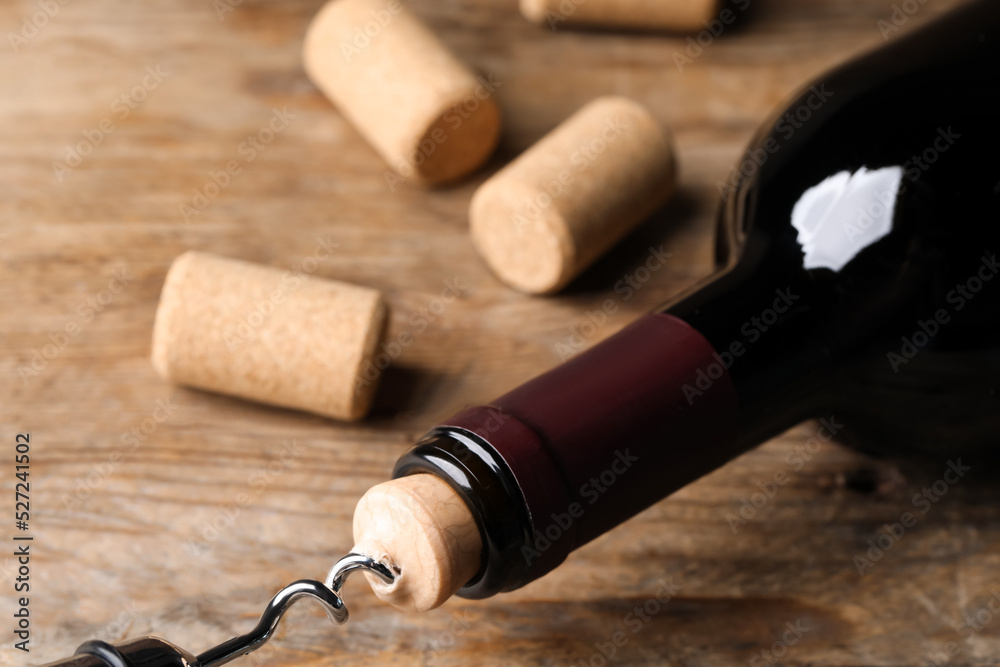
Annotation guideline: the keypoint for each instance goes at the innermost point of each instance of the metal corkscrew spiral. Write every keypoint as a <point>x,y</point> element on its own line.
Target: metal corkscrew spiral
<point>154,652</point>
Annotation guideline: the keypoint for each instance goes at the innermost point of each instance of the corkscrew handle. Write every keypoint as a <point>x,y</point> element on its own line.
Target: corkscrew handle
<point>139,652</point>
<point>155,652</point>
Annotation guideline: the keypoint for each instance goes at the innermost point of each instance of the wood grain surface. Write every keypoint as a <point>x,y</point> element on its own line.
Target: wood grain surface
<point>165,511</point>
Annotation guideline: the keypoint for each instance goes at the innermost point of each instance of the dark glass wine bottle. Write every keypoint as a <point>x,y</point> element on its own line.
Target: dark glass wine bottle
<point>857,282</point>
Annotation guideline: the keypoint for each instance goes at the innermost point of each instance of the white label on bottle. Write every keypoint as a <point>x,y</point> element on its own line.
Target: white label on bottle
<point>844,214</point>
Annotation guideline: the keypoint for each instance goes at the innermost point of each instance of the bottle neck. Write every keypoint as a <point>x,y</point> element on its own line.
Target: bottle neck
<point>762,326</point>
<point>578,450</point>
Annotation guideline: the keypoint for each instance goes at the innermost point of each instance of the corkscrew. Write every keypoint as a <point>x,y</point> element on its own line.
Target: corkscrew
<point>155,652</point>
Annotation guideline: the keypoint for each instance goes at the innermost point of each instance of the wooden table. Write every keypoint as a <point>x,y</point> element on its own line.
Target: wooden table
<point>160,510</point>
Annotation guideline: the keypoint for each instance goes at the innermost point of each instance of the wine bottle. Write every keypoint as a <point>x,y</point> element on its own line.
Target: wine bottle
<point>857,282</point>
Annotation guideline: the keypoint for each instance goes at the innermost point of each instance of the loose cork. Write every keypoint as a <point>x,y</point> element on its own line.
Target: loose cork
<point>550,213</point>
<point>665,15</point>
<point>268,335</point>
<point>424,111</point>
<point>424,531</point>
